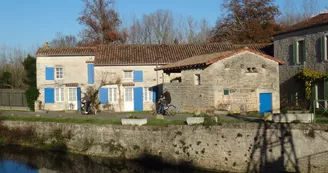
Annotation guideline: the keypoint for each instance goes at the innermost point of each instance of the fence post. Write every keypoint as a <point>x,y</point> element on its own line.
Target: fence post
<point>22,99</point>
<point>314,106</point>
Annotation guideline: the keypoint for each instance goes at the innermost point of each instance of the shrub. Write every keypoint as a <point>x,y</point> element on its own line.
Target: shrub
<point>209,121</point>
<point>283,110</point>
<point>31,95</point>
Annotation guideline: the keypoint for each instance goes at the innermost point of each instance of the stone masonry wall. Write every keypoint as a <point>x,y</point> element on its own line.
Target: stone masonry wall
<point>245,88</point>
<point>283,49</point>
<point>230,147</point>
<point>228,74</point>
<point>75,71</point>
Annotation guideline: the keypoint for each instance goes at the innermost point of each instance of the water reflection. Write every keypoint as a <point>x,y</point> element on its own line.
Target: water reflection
<point>15,159</point>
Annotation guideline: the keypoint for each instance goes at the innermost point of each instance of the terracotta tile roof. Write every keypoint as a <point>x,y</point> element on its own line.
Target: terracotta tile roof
<point>66,51</point>
<point>163,54</point>
<point>320,19</point>
<point>208,59</point>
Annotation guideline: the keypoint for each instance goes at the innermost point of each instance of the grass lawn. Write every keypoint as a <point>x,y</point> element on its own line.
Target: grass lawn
<point>115,121</point>
<point>91,120</point>
<point>13,110</point>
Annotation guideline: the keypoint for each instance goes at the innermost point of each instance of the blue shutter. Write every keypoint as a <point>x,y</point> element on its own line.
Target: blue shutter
<point>50,73</point>
<point>78,97</point>
<point>138,76</point>
<point>91,73</point>
<point>49,95</point>
<point>155,91</point>
<point>103,95</point>
<point>138,99</point>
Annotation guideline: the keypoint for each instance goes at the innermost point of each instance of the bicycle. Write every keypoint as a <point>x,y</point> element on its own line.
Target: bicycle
<point>91,109</point>
<point>169,109</point>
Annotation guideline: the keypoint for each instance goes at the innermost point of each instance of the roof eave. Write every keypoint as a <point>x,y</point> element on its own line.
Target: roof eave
<point>313,26</point>
<point>53,55</point>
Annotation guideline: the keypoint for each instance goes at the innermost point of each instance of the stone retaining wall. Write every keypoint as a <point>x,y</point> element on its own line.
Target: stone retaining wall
<point>230,147</point>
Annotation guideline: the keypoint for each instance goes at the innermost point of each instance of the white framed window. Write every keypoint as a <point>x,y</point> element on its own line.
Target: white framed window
<point>128,75</point>
<point>59,95</point>
<point>72,94</point>
<point>197,79</point>
<point>128,94</point>
<point>324,47</point>
<point>112,95</point>
<point>299,56</point>
<point>148,94</point>
<point>59,72</point>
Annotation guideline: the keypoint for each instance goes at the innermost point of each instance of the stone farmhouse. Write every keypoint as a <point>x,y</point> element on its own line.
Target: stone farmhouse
<point>303,45</point>
<point>126,74</point>
<point>236,80</point>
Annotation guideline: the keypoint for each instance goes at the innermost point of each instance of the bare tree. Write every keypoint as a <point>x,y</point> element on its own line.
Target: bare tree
<point>11,66</point>
<point>63,41</point>
<point>204,33</point>
<point>102,23</point>
<point>291,16</point>
<point>162,24</point>
<point>162,27</point>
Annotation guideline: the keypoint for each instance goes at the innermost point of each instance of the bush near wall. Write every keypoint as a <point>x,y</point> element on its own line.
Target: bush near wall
<point>32,95</point>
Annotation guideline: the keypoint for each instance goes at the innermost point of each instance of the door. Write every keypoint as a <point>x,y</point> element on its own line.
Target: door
<point>128,99</point>
<point>72,99</point>
<point>265,102</point>
<point>138,99</point>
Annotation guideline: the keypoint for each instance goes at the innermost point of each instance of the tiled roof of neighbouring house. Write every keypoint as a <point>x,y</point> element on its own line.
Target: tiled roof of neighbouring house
<point>208,59</point>
<point>320,19</point>
<point>163,54</point>
<point>74,51</point>
<point>139,54</point>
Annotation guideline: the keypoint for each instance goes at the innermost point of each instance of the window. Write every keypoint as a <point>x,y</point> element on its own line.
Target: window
<point>197,79</point>
<point>324,47</point>
<point>128,95</point>
<point>72,94</point>
<point>59,93</point>
<point>299,52</point>
<point>128,75</point>
<point>226,92</point>
<point>112,95</point>
<point>251,70</point>
<point>59,73</point>
<point>148,94</point>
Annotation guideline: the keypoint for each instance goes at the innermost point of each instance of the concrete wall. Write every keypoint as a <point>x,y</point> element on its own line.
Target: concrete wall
<point>75,71</point>
<point>244,87</point>
<point>230,147</point>
<point>283,49</point>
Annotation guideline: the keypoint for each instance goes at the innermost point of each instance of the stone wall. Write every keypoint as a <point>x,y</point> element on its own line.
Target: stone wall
<point>75,71</point>
<point>230,147</point>
<point>228,74</point>
<point>283,49</point>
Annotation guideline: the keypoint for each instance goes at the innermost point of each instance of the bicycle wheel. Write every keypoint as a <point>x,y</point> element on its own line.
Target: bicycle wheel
<point>171,110</point>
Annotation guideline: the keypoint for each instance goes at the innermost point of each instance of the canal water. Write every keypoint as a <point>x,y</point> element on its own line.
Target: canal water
<point>14,159</point>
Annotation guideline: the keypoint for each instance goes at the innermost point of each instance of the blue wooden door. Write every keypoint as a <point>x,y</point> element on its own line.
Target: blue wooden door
<point>78,97</point>
<point>138,99</point>
<point>265,102</point>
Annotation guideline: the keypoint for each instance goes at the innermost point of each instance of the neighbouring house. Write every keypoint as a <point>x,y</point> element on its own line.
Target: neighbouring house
<point>239,81</point>
<point>303,45</point>
<point>124,74</point>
